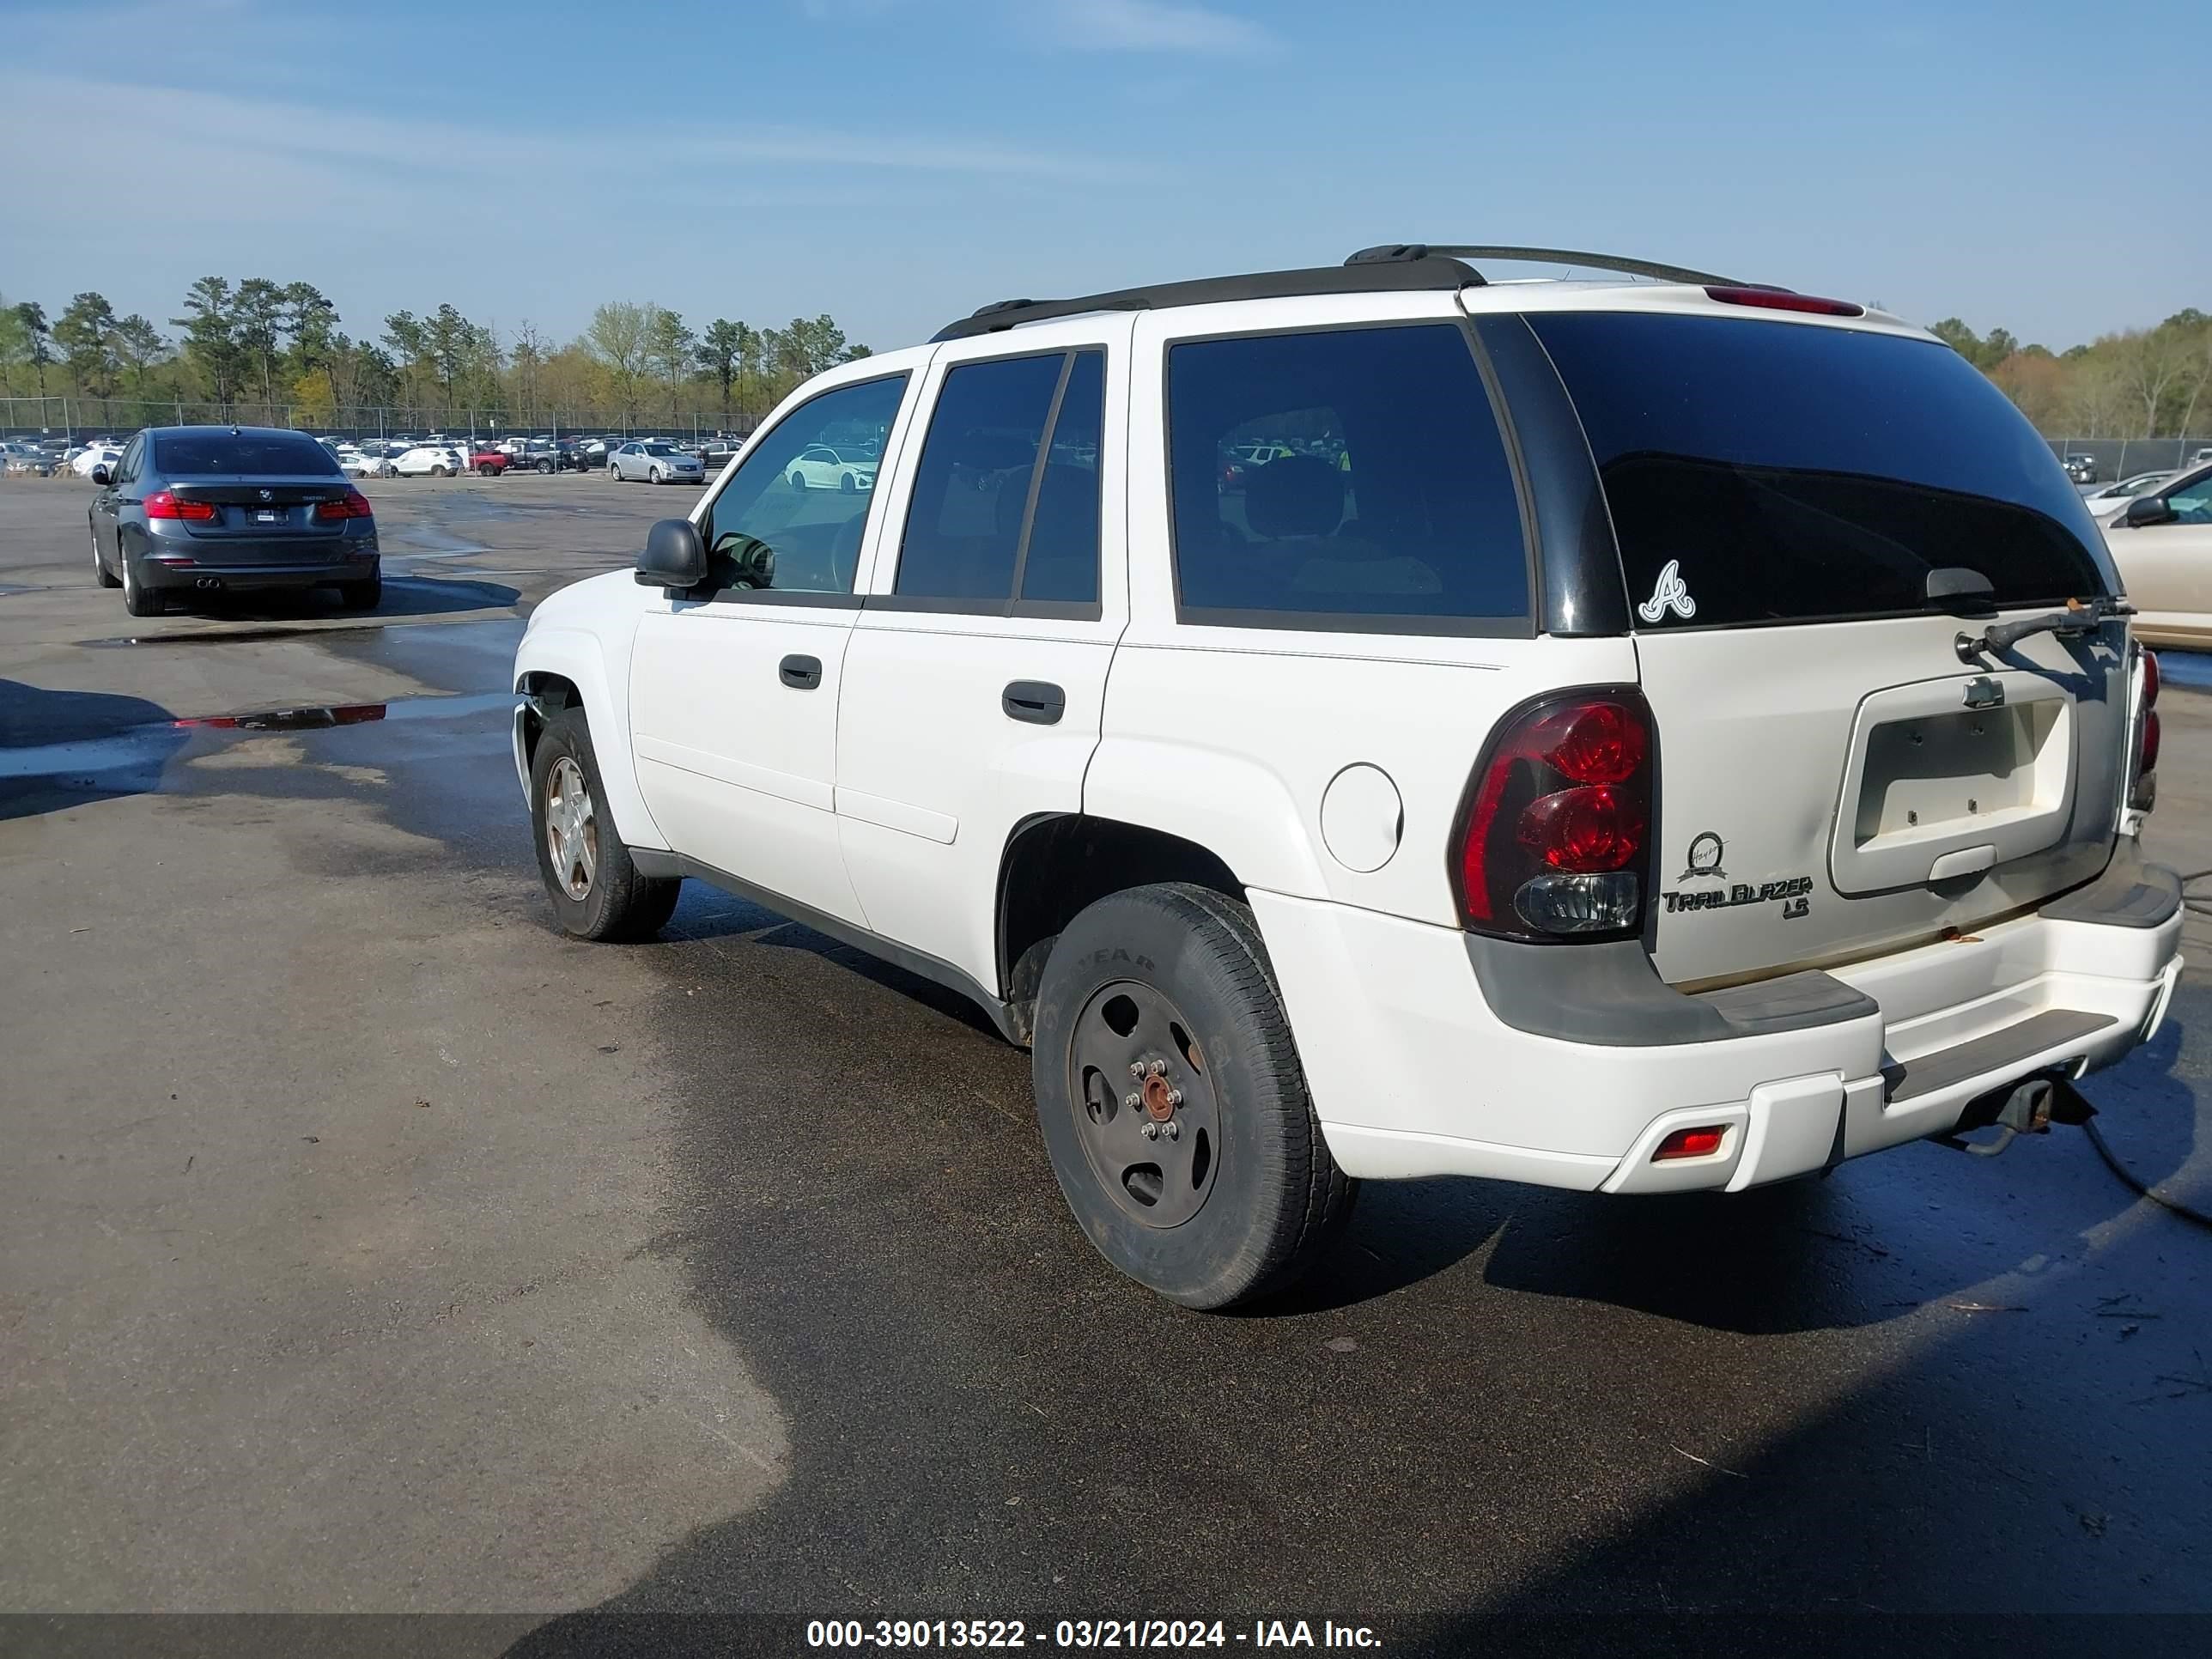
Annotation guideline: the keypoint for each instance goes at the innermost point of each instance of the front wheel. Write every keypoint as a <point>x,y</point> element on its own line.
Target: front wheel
<point>848,484</point>
<point>596,892</point>
<point>656,476</point>
<point>798,480</point>
<point>107,578</point>
<point>1172,1103</point>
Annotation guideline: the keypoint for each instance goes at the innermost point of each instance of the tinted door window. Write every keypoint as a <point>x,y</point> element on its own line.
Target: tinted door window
<point>2192,502</point>
<point>1355,474</point>
<point>1059,558</point>
<point>218,454</point>
<point>1792,473</point>
<point>971,489</point>
<point>766,532</point>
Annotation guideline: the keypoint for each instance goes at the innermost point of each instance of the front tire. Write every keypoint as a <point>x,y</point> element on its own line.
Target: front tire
<point>656,476</point>
<point>847,485</point>
<point>596,892</point>
<point>1233,1194</point>
<point>107,578</point>
<point>798,480</point>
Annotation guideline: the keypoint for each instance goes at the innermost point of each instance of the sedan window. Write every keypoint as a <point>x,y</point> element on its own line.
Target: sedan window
<point>217,454</point>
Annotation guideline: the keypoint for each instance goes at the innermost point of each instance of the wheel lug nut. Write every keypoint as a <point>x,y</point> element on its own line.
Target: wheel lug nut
<point>1175,1097</point>
<point>1173,1130</point>
<point>1133,1100</point>
<point>1136,1068</point>
<point>1151,1131</point>
<point>1158,1067</point>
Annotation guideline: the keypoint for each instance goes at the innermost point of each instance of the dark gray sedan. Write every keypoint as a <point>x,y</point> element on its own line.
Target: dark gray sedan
<point>205,508</point>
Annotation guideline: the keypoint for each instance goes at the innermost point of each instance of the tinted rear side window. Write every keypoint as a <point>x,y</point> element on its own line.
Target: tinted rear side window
<point>1354,474</point>
<point>1793,473</point>
<point>217,454</point>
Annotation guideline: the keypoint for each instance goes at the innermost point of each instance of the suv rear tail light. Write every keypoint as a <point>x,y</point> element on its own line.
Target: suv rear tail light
<point>351,505</point>
<point>2143,788</point>
<point>161,504</point>
<point>1781,299</point>
<point>1555,835</point>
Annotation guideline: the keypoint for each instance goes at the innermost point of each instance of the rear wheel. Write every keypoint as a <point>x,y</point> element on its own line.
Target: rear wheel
<point>545,467</point>
<point>107,578</point>
<point>139,599</point>
<point>1172,1103</point>
<point>596,892</point>
<point>441,473</point>
<point>486,471</point>
<point>361,596</point>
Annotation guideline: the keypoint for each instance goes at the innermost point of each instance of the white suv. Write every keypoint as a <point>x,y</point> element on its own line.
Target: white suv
<point>1633,737</point>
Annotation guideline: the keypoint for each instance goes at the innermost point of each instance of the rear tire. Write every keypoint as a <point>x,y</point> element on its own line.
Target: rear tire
<point>546,468</point>
<point>139,599</point>
<point>441,473</point>
<point>107,578</point>
<point>1246,1197</point>
<point>595,891</point>
<point>361,596</point>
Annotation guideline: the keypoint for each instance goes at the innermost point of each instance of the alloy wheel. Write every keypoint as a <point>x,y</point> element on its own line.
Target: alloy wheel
<point>571,829</point>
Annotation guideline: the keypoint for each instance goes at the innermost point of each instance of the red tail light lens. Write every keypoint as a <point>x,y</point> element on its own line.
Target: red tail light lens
<point>162,504</point>
<point>1780,299</point>
<point>2150,679</point>
<point>1556,832</point>
<point>351,505</point>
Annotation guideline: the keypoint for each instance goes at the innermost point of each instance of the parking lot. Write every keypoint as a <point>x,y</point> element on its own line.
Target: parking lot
<point>370,1246</point>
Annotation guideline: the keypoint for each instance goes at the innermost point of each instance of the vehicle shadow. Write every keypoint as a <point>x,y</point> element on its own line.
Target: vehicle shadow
<point>61,749</point>
<point>404,596</point>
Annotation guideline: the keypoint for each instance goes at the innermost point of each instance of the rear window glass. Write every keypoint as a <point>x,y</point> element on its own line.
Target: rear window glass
<point>1349,476</point>
<point>1770,472</point>
<point>218,454</point>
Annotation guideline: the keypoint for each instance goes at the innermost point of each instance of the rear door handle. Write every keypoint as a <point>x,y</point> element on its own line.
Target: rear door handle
<point>800,673</point>
<point>1039,702</point>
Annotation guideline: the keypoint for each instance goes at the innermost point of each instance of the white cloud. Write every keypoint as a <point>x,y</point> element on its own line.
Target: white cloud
<point>1152,26</point>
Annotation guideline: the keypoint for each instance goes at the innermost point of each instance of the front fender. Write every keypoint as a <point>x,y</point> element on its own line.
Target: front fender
<point>581,659</point>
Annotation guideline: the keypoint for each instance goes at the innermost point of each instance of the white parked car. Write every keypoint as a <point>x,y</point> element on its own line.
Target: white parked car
<point>1664,757</point>
<point>358,463</point>
<point>820,467</point>
<point>430,461</point>
<point>84,460</point>
<point>2114,496</point>
<point>2162,542</point>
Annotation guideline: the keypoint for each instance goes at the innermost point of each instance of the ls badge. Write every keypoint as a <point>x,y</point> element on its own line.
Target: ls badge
<point>1703,863</point>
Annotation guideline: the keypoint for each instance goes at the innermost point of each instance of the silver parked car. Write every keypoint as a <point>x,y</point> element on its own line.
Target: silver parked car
<point>655,462</point>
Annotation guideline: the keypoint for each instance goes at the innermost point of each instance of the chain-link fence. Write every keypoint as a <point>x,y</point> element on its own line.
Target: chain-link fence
<point>2115,458</point>
<point>80,418</point>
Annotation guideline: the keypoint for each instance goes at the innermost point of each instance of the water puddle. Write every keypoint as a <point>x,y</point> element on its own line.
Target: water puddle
<point>136,748</point>
<point>237,635</point>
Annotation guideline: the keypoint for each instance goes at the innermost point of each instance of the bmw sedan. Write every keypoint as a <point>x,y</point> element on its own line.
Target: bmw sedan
<point>201,508</point>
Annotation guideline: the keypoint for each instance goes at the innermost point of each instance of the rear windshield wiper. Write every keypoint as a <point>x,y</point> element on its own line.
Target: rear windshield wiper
<point>2079,616</point>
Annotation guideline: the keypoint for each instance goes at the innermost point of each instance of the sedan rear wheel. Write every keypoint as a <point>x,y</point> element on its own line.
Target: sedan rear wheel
<point>139,599</point>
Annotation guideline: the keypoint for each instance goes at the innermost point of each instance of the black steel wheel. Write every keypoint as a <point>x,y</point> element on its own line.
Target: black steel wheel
<point>1172,1103</point>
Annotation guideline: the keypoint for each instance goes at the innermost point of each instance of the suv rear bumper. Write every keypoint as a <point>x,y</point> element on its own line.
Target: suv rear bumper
<point>1415,1072</point>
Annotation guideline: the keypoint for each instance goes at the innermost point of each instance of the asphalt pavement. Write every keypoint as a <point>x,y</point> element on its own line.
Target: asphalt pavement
<point>366,1246</point>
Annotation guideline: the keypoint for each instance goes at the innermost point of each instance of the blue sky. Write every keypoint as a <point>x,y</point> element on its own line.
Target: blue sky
<point>899,163</point>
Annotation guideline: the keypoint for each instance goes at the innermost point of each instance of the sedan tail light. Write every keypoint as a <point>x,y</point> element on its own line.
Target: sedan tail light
<point>351,505</point>
<point>163,504</point>
<point>1555,834</point>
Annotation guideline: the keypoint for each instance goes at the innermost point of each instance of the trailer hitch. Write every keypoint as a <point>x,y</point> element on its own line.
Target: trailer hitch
<point>2028,1107</point>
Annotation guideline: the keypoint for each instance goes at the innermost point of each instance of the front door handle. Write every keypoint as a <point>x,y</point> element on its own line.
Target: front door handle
<point>800,673</point>
<point>1038,702</point>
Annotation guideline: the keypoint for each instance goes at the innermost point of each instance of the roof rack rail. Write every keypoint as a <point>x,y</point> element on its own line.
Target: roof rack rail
<point>1392,254</point>
<point>1408,274</point>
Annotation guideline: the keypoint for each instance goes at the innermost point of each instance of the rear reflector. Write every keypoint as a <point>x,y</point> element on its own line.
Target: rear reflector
<point>1778,299</point>
<point>351,505</point>
<point>1690,1143</point>
<point>161,504</point>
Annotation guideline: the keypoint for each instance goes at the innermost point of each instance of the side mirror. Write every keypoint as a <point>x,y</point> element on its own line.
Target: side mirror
<point>674,555</point>
<point>2148,510</point>
<point>101,476</point>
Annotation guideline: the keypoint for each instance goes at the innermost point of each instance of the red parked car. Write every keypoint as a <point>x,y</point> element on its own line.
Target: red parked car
<point>484,461</point>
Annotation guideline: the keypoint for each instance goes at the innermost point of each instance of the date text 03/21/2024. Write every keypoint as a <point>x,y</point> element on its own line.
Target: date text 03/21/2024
<point>1085,1633</point>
